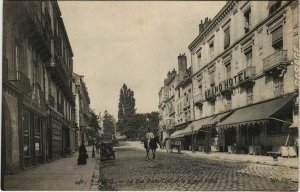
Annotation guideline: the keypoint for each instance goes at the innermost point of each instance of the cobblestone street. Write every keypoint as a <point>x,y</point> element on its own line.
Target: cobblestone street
<point>130,171</point>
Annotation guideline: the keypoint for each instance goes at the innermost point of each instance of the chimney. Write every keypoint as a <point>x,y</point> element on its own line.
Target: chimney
<point>169,76</point>
<point>201,27</point>
<point>206,22</point>
<point>182,64</point>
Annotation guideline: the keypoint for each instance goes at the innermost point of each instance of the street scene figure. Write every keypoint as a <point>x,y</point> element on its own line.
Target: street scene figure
<point>82,155</point>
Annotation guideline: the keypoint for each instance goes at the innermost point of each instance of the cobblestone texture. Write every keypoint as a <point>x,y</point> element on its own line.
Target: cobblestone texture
<point>130,171</point>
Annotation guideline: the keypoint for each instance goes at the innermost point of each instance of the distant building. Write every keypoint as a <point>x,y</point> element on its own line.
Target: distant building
<point>82,110</point>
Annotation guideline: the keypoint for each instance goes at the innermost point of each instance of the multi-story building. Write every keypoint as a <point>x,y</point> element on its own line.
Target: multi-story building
<point>175,100</point>
<point>37,100</point>
<point>243,77</point>
<point>82,110</point>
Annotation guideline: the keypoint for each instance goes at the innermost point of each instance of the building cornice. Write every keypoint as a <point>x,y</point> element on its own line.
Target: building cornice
<point>216,20</point>
<point>246,37</point>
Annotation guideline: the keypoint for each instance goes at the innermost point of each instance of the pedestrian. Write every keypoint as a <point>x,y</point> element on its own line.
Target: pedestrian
<point>168,145</point>
<point>82,155</point>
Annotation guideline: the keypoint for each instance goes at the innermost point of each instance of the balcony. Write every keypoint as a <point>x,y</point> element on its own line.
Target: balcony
<point>198,99</point>
<point>37,103</point>
<point>276,63</point>
<point>21,81</point>
<point>227,87</point>
<point>248,76</point>
<point>35,30</point>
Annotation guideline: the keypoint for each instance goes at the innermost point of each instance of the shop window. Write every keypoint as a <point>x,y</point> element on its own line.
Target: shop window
<point>226,38</point>
<point>273,6</point>
<point>37,135</point>
<point>247,17</point>
<point>274,127</point>
<point>26,133</point>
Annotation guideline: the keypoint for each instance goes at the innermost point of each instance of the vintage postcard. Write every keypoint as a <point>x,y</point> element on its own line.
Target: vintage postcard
<point>150,95</point>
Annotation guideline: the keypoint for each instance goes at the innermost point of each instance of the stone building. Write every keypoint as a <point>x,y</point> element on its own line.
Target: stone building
<point>244,78</point>
<point>82,111</point>
<point>37,101</point>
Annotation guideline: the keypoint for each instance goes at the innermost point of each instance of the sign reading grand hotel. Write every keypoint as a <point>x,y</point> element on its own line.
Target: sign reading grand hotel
<point>228,83</point>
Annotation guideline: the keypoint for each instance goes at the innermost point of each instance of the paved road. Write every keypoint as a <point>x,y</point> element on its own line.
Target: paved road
<point>130,171</point>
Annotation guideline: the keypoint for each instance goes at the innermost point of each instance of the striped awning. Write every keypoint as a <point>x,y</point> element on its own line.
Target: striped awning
<point>257,113</point>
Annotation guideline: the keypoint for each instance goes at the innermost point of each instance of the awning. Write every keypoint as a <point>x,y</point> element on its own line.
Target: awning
<point>196,125</point>
<point>217,119</point>
<point>177,134</point>
<point>255,113</point>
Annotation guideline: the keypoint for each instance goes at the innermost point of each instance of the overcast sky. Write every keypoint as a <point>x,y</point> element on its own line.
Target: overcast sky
<point>136,43</point>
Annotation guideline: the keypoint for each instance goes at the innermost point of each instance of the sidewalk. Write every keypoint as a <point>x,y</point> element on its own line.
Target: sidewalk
<point>63,174</point>
<point>268,160</point>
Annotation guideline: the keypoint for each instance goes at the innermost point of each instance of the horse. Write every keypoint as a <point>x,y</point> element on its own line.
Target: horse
<point>152,145</point>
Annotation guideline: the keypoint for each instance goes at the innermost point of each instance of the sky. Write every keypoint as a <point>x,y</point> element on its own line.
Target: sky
<point>130,42</point>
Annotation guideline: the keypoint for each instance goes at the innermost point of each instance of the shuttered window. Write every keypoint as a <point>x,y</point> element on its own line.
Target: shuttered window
<point>226,38</point>
<point>277,35</point>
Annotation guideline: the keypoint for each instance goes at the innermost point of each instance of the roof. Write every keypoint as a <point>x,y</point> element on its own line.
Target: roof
<point>257,112</point>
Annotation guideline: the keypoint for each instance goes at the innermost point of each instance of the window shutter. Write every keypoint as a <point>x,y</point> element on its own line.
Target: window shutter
<point>226,38</point>
<point>277,35</point>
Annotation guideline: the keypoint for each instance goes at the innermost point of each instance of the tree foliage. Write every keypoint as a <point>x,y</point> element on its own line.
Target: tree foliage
<point>109,123</point>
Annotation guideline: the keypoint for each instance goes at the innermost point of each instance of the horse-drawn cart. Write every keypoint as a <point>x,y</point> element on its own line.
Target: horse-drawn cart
<point>107,151</point>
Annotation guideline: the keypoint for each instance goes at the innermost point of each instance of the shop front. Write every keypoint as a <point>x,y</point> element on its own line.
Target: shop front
<point>33,130</point>
<point>56,137</point>
<point>257,128</point>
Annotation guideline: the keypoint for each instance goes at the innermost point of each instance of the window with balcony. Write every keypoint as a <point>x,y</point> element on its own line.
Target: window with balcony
<point>273,6</point>
<point>226,37</point>
<point>211,50</point>
<point>36,73</point>
<point>249,92</point>
<point>247,18</point>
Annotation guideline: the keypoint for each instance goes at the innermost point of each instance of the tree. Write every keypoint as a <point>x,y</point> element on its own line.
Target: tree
<point>108,124</point>
<point>126,112</point>
<point>93,133</point>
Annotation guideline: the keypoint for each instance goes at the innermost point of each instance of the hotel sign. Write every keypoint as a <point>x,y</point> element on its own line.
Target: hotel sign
<point>228,83</point>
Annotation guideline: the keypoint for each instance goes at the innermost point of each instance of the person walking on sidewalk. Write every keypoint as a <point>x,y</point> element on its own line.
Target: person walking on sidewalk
<point>82,155</point>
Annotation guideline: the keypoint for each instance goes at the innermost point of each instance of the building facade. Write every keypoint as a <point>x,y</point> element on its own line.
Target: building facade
<point>243,78</point>
<point>82,110</point>
<point>38,107</point>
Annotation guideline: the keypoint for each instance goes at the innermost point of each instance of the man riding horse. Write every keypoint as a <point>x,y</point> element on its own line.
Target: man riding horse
<point>150,143</point>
